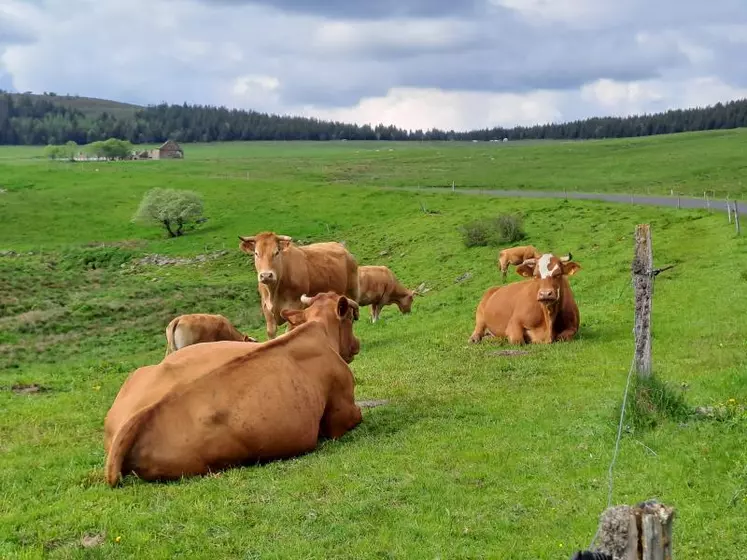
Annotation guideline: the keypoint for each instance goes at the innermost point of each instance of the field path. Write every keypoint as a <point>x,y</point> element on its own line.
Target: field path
<point>685,202</point>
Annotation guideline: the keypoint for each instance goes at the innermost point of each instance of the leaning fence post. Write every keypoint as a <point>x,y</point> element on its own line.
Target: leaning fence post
<point>736,218</point>
<point>643,282</point>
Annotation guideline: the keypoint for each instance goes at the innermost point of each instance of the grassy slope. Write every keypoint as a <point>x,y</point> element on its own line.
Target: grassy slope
<point>689,163</point>
<point>477,455</point>
<point>90,106</point>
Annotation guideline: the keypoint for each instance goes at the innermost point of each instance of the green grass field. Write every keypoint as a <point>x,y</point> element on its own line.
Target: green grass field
<point>688,163</point>
<point>477,455</point>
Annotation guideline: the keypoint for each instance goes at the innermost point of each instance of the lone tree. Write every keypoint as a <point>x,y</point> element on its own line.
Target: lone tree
<point>170,208</point>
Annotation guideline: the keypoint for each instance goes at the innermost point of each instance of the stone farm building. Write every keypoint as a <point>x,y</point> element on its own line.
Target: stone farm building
<point>168,150</point>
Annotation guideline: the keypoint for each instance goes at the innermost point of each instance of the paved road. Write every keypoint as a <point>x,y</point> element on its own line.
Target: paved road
<point>671,201</point>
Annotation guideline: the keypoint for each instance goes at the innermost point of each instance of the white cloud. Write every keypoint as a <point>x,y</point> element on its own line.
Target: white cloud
<point>575,13</point>
<point>628,98</point>
<point>415,108</point>
<point>344,37</point>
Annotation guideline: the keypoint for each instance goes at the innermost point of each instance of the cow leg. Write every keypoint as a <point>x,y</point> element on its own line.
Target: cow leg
<point>503,266</point>
<point>272,325</point>
<point>339,418</point>
<point>566,334</point>
<point>375,310</point>
<point>515,333</point>
<point>478,333</point>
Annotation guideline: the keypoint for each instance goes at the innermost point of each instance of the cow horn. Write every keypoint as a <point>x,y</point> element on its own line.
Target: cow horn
<point>530,262</point>
<point>306,300</point>
<point>285,238</point>
<point>566,258</point>
<point>246,238</point>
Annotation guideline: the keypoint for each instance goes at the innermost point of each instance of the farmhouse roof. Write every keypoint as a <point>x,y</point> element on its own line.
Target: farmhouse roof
<point>171,144</point>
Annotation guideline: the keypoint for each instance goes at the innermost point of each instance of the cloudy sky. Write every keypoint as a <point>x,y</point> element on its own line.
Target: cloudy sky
<point>457,64</point>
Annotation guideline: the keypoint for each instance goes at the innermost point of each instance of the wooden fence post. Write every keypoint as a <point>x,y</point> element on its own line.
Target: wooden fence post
<point>640,532</point>
<point>678,201</point>
<point>708,201</point>
<point>736,218</point>
<point>643,283</point>
<point>728,207</point>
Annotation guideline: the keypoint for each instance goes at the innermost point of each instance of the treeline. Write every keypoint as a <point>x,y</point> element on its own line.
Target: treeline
<point>39,121</point>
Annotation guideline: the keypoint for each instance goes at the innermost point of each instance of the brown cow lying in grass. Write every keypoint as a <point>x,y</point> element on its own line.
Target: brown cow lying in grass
<point>221,404</point>
<point>200,327</point>
<point>538,310</point>
<point>379,287</point>
<point>516,256</point>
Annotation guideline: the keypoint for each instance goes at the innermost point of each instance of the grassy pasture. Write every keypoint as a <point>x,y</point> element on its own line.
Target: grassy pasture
<point>689,163</point>
<point>477,455</point>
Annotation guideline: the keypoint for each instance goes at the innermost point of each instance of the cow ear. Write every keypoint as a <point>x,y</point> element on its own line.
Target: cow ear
<point>247,244</point>
<point>526,270</point>
<point>342,306</point>
<point>294,316</point>
<point>571,268</point>
<point>284,242</point>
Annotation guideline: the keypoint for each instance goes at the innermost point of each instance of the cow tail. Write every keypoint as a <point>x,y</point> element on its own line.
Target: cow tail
<point>123,442</point>
<point>170,331</point>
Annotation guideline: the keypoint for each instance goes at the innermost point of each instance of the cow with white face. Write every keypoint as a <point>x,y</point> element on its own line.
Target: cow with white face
<point>540,309</point>
<point>285,271</point>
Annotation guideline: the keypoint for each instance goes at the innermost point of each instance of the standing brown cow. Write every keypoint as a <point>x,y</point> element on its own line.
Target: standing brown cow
<point>216,405</point>
<point>379,287</point>
<point>285,271</point>
<point>200,327</point>
<point>516,256</point>
<point>538,310</point>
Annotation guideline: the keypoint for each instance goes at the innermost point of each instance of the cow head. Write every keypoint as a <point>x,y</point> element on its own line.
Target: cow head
<point>547,271</point>
<point>336,313</point>
<point>267,249</point>
<point>405,302</point>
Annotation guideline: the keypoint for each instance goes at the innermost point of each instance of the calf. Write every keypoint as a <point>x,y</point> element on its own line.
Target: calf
<point>538,310</point>
<point>516,256</point>
<point>379,287</point>
<point>221,404</point>
<point>200,327</point>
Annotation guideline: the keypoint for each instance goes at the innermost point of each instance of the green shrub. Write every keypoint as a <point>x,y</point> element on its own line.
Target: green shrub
<point>95,257</point>
<point>506,228</point>
<point>170,208</point>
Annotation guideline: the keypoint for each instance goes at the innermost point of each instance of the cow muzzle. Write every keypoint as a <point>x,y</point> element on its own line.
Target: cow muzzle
<point>547,296</point>
<point>266,277</point>
<point>355,348</point>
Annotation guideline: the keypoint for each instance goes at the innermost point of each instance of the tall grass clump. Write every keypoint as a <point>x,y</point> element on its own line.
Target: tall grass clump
<point>653,400</point>
<point>506,228</point>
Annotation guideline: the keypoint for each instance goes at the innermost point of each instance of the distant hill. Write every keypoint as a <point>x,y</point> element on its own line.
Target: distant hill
<point>89,106</point>
<point>38,119</point>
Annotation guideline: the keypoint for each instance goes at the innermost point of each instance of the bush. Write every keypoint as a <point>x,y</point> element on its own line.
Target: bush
<point>506,228</point>
<point>170,208</point>
<point>96,257</point>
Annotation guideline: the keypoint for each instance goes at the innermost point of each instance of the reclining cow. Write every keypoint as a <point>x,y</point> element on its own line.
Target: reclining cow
<point>379,287</point>
<point>200,327</point>
<point>538,310</point>
<point>217,405</point>
<point>285,271</point>
<point>516,256</point>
